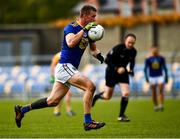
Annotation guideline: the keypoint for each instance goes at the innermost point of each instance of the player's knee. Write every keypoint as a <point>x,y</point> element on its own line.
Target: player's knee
<point>126,94</point>
<point>91,87</point>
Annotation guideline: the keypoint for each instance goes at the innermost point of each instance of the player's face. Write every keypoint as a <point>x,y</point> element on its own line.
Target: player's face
<point>90,17</point>
<point>129,42</point>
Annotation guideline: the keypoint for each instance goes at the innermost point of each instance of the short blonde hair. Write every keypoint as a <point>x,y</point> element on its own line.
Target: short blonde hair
<point>86,9</point>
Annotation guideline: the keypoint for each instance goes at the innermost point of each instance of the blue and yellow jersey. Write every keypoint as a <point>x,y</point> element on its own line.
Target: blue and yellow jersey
<point>155,65</point>
<point>73,55</point>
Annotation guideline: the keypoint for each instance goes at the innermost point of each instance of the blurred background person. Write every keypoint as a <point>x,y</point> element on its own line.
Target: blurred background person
<point>138,7</point>
<point>155,64</point>
<point>68,96</point>
<point>164,6</point>
<point>116,73</point>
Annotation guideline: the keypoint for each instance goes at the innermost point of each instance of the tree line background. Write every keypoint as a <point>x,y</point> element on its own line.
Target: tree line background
<point>34,11</point>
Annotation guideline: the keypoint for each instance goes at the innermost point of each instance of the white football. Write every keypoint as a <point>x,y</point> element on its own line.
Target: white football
<point>96,33</point>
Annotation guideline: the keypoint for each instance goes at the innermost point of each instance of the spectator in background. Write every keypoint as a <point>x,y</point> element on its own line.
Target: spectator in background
<point>164,6</point>
<point>54,62</point>
<point>155,64</point>
<point>138,7</point>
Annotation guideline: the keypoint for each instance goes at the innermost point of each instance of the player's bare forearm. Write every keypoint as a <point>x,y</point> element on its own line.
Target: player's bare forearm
<point>73,39</point>
<point>96,53</point>
<point>93,50</point>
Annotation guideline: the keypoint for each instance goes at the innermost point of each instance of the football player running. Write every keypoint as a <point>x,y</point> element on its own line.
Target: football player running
<point>74,44</point>
<point>116,73</point>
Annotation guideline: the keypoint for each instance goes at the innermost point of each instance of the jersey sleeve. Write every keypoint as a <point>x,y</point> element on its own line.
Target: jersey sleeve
<point>146,69</point>
<point>69,29</point>
<point>164,66</point>
<point>132,62</point>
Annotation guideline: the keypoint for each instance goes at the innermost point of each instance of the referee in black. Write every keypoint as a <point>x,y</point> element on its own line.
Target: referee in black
<point>116,73</point>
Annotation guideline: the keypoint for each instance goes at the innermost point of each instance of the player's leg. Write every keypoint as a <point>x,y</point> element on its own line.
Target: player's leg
<point>153,85</point>
<point>154,97</point>
<point>125,90</point>
<point>161,96</point>
<point>57,109</point>
<point>69,110</point>
<point>57,93</point>
<point>106,94</point>
<point>111,80</point>
<point>85,84</point>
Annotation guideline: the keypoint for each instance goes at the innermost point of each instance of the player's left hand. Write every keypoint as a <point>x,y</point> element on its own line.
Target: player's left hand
<point>100,58</point>
<point>131,72</point>
<point>52,79</point>
<point>89,26</point>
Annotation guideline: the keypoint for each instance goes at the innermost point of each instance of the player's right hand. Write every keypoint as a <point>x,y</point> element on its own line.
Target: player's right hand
<point>52,79</point>
<point>131,73</point>
<point>121,70</point>
<point>90,25</point>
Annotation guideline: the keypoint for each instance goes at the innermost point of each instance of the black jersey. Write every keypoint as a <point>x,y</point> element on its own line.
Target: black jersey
<point>120,56</point>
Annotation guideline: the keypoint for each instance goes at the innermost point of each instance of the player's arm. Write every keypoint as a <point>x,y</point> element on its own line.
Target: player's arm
<point>96,52</point>
<point>54,62</point>
<point>165,69</point>
<point>113,61</point>
<point>132,64</point>
<point>111,58</point>
<point>73,39</point>
<point>146,70</point>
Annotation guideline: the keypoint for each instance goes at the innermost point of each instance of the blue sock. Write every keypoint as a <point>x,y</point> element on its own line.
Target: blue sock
<point>25,109</point>
<point>87,118</point>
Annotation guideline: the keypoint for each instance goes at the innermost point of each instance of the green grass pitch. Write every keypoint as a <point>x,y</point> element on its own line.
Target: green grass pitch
<point>145,123</point>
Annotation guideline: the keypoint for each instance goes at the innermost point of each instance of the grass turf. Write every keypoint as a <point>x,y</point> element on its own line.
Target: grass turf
<point>145,123</point>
